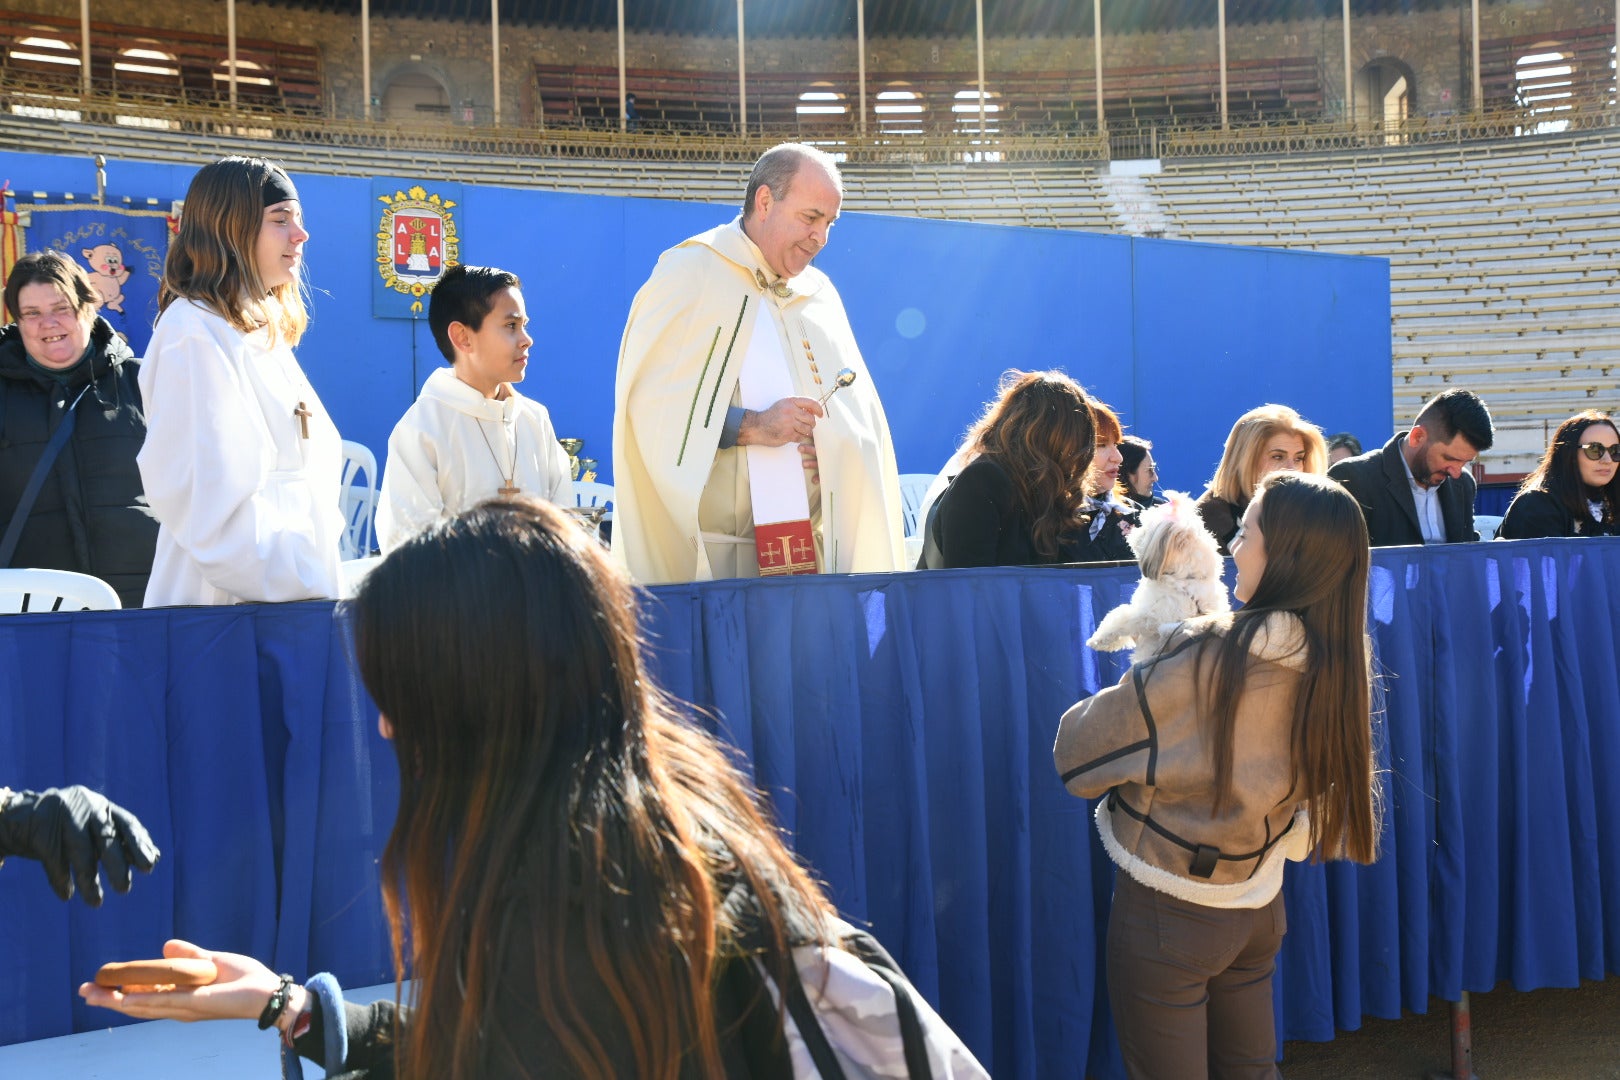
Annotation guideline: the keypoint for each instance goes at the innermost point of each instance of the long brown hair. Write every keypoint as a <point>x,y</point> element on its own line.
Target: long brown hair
<point>211,261</point>
<point>1316,568</point>
<point>1241,468</point>
<point>1559,473</point>
<point>1040,431</point>
<point>550,793</point>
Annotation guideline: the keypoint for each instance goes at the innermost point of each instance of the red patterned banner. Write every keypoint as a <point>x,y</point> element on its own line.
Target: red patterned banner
<point>785,547</point>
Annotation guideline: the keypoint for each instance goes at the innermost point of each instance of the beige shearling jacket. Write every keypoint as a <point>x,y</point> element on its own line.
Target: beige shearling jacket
<point>1144,742</point>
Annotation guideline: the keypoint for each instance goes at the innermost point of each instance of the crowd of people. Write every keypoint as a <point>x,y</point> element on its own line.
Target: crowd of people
<point>639,888</point>
<point>749,438</point>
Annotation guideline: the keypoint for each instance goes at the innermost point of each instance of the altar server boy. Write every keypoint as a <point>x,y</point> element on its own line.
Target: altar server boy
<point>470,435</point>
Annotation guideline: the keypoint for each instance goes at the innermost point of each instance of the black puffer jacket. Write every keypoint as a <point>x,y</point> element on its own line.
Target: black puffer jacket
<point>91,514</point>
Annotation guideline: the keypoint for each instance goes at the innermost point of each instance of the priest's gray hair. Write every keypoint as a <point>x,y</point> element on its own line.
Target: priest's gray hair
<point>777,167</point>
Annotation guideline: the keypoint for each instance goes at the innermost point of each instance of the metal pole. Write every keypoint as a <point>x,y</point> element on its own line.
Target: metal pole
<point>1221,21</point>
<point>365,52</point>
<point>1096,53</point>
<point>742,75</point>
<point>860,54</point>
<point>1349,89</point>
<point>624,121</point>
<point>1479,94</point>
<point>230,46</point>
<point>84,47</point>
<point>495,52</point>
<point>978,14</point>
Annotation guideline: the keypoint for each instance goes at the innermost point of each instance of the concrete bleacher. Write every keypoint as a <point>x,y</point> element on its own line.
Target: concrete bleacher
<point>1055,196</point>
<point>1502,261</point>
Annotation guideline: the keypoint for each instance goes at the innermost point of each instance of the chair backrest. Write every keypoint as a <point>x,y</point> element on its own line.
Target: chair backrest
<point>29,591</point>
<point>359,499</point>
<point>591,493</point>
<point>913,486</point>
<point>353,571</point>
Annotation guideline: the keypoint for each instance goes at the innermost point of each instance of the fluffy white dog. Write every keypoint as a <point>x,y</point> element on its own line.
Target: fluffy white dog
<point>1181,578</point>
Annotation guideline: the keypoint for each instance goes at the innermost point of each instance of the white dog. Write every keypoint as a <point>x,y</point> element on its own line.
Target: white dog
<point>1181,578</point>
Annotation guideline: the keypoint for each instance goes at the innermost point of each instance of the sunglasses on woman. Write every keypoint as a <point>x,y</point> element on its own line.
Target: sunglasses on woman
<point>1594,451</point>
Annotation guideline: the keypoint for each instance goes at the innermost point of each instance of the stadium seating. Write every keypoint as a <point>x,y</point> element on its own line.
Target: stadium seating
<point>1501,261</point>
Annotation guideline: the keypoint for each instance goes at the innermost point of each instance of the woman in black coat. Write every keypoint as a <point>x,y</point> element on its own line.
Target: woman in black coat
<point>1019,499</point>
<point>90,513</point>
<point>1575,491</point>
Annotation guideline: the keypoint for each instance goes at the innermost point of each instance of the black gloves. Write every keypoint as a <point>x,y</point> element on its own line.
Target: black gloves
<point>69,830</point>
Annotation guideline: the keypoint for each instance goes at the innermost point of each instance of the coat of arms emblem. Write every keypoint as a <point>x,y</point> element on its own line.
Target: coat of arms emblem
<point>416,240</point>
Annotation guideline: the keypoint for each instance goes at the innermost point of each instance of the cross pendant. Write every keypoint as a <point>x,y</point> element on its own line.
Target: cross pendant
<point>510,489</point>
<point>303,414</point>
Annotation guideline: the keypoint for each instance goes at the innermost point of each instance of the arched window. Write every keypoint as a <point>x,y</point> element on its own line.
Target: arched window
<point>248,73</point>
<point>899,110</point>
<point>966,110</point>
<point>1544,87</point>
<point>821,100</point>
<point>152,62</point>
<point>415,95</point>
<point>41,50</point>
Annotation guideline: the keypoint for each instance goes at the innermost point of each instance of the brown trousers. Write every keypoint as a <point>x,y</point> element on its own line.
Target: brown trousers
<point>1190,985</point>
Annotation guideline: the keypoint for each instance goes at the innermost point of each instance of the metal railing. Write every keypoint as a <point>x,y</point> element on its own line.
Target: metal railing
<point>152,109</point>
<point>1295,137</point>
<point>578,139</point>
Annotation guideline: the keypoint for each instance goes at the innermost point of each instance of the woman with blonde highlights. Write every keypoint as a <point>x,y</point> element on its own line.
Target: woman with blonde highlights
<point>241,463</point>
<point>1263,441</point>
<point>1017,501</point>
<point>1246,741</point>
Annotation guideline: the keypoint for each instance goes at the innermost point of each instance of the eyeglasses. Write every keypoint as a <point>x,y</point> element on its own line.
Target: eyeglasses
<point>1594,451</point>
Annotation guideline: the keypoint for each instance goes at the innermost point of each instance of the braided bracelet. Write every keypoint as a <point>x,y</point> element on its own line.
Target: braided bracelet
<point>276,1005</point>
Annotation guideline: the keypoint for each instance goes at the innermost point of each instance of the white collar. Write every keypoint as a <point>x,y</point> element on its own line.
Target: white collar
<point>442,385</point>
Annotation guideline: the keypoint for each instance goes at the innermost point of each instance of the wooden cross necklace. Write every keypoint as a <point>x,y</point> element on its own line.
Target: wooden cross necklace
<point>303,414</point>
<point>508,475</point>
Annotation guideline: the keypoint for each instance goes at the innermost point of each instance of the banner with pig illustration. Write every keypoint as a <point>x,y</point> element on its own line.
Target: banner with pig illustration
<point>121,248</point>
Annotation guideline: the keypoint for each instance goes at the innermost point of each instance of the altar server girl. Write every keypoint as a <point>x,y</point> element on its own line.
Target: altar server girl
<point>1245,742</point>
<point>241,463</point>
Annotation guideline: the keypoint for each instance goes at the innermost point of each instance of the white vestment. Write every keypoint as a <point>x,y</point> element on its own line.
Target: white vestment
<point>454,448</point>
<point>683,509</point>
<point>248,509</point>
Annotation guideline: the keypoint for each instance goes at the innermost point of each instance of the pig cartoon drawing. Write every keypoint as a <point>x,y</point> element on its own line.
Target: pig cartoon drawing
<point>108,272</point>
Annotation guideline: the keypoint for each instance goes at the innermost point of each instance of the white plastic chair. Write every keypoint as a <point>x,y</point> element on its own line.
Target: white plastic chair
<point>32,591</point>
<point>589,494</point>
<point>359,499</point>
<point>351,572</point>
<point>913,486</point>
<point>1486,525</point>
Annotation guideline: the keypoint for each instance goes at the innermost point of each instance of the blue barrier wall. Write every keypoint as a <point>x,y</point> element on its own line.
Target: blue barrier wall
<point>1178,337</point>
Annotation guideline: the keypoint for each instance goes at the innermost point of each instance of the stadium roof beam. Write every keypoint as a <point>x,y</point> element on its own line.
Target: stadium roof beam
<point>892,18</point>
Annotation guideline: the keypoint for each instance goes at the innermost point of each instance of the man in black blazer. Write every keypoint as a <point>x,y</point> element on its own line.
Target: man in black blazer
<point>1418,489</point>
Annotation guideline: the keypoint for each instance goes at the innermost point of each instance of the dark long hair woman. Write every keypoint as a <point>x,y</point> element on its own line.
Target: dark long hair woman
<point>1018,499</point>
<point>1575,490</point>
<point>1245,742</point>
<point>579,878</point>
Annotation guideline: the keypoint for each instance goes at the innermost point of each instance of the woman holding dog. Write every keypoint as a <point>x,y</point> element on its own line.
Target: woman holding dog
<point>1018,501</point>
<point>1263,441</point>
<point>1245,742</point>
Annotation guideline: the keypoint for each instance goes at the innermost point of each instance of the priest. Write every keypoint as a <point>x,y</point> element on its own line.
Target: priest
<point>735,451</point>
